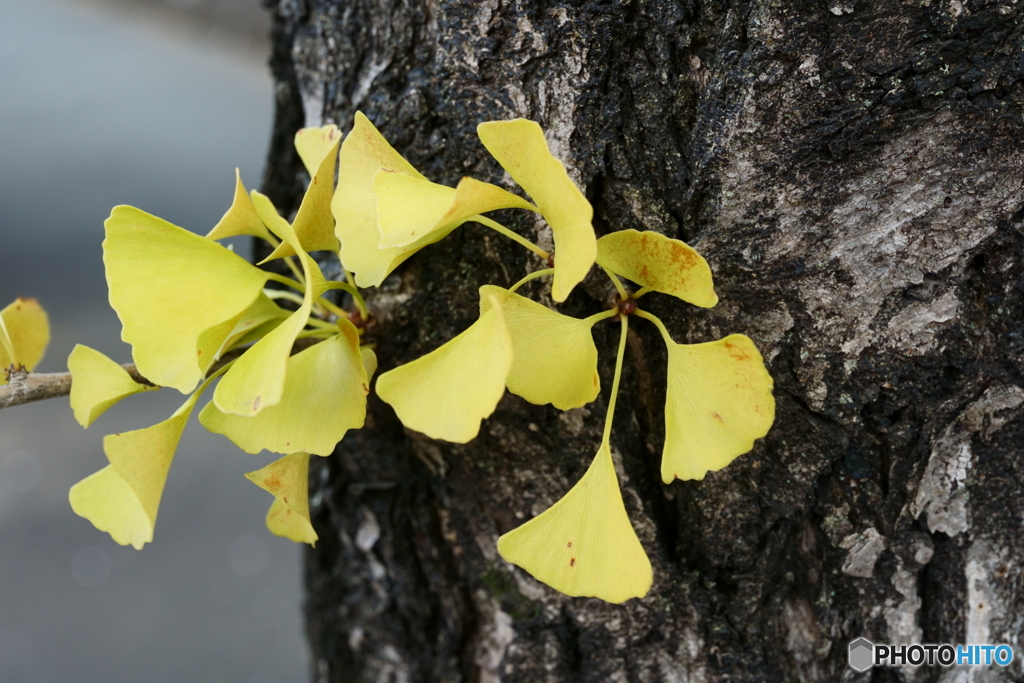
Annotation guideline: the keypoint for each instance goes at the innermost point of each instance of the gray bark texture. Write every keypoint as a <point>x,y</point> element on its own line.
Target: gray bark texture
<point>852,171</point>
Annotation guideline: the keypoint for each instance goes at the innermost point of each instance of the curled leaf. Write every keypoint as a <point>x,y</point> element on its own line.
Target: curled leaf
<point>241,218</point>
<point>364,152</point>
<point>519,146</point>
<point>24,335</point>
<point>718,402</point>
<point>663,264</point>
<point>448,392</point>
<point>97,383</point>
<point>584,544</point>
<point>288,480</point>
<point>554,357</point>
<point>324,396</point>
<point>178,295</point>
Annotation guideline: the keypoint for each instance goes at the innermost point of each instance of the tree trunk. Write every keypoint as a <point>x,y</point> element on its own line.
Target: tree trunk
<point>852,172</point>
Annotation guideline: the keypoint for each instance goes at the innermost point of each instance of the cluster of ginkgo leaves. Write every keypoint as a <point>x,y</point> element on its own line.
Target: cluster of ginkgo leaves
<point>292,371</point>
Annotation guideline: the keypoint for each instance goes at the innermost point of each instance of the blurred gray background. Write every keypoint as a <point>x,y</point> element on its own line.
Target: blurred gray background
<point>106,102</point>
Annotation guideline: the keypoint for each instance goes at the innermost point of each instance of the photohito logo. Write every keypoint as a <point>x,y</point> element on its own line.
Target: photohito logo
<point>864,654</point>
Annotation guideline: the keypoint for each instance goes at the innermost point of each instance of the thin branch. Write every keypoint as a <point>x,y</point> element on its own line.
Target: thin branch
<point>28,387</point>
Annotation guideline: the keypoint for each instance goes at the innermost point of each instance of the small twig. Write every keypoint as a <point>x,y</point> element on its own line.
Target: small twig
<point>28,387</point>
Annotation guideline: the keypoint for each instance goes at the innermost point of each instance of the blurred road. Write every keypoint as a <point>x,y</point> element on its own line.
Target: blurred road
<point>104,104</point>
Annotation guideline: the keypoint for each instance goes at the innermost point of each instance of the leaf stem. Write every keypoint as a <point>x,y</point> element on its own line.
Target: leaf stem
<point>351,289</point>
<point>603,315</point>
<point>499,228</point>
<point>532,276</point>
<point>281,294</point>
<point>640,292</point>
<point>295,269</point>
<point>618,283</point>
<point>657,322</point>
<point>606,439</point>
<point>284,280</point>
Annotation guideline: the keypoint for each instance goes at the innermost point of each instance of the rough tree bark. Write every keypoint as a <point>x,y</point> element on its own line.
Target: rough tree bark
<point>852,172</point>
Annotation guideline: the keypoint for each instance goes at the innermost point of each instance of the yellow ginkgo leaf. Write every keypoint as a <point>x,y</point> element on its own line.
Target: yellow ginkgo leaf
<point>313,144</point>
<point>97,383</point>
<point>718,401</point>
<point>324,396</point>
<point>256,380</point>
<point>241,218</point>
<point>554,357</point>
<point>178,295</point>
<point>364,152</point>
<point>369,362</point>
<point>584,545</point>
<point>288,480</point>
<point>314,223</point>
<point>520,148</point>
<point>24,335</point>
<point>663,264</point>
<point>123,498</point>
<point>448,392</point>
<point>410,208</point>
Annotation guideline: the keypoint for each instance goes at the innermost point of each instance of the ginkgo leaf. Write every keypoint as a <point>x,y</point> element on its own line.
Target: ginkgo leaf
<point>554,357</point>
<point>324,396</point>
<point>97,383</point>
<point>288,480</point>
<point>718,401</point>
<point>448,392</point>
<point>663,264</point>
<point>520,148</point>
<point>24,335</point>
<point>256,380</point>
<point>584,545</point>
<point>169,287</point>
<point>364,152</point>
<point>369,362</point>
<point>123,498</point>
<point>410,208</point>
<point>314,223</point>
<point>314,144</point>
<point>241,218</point>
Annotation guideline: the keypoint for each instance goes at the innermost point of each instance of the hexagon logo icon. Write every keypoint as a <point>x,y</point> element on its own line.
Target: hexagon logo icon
<point>862,654</point>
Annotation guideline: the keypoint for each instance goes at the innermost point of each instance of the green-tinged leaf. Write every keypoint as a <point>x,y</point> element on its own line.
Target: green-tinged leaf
<point>256,380</point>
<point>169,287</point>
<point>446,393</point>
<point>584,545</point>
<point>324,396</point>
<point>410,208</point>
<point>520,148</point>
<point>123,498</point>
<point>663,264</point>
<point>554,357</point>
<point>24,335</point>
<point>718,401</point>
<point>97,383</point>
<point>314,144</point>
<point>288,480</point>
<point>241,218</point>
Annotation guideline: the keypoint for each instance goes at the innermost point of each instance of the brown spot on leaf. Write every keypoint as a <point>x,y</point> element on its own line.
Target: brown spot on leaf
<point>366,389</point>
<point>569,544</point>
<point>572,562</point>
<point>736,352</point>
<point>717,417</point>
